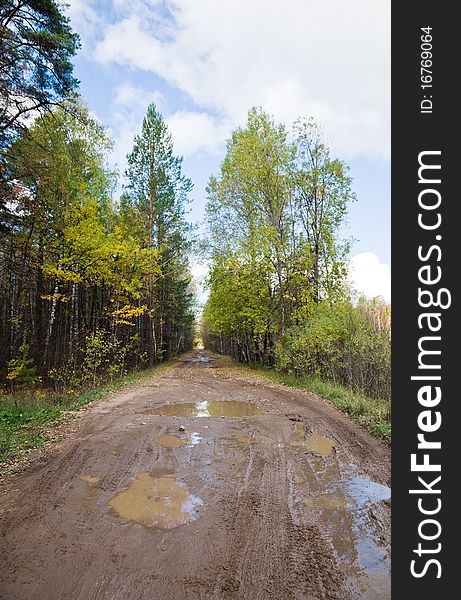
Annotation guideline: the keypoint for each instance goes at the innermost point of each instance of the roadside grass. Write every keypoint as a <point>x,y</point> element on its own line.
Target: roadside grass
<point>374,415</point>
<point>26,418</point>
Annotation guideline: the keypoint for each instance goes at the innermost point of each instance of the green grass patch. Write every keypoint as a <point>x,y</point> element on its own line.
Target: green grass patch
<point>373,414</point>
<point>26,418</point>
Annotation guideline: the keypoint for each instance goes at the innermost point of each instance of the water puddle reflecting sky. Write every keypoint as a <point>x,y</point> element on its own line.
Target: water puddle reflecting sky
<point>343,504</point>
<point>162,502</point>
<point>207,408</point>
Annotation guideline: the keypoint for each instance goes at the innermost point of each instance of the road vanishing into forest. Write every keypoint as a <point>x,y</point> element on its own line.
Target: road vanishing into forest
<point>205,481</point>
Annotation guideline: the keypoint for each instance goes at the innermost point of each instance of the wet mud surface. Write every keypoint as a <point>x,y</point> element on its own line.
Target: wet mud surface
<point>204,482</point>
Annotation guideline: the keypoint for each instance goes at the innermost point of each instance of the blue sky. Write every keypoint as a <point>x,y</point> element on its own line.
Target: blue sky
<point>205,62</point>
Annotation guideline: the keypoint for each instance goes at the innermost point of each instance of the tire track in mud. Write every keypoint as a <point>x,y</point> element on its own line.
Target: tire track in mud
<point>269,555</point>
<point>278,517</point>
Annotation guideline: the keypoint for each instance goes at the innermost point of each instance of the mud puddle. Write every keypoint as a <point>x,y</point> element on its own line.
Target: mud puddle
<point>207,408</point>
<point>199,359</point>
<point>249,532</point>
<point>194,438</point>
<point>366,492</point>
<point>169,440</point>
<point>373,559</point>
<point>317,443</point>
<point>162,502</point>
<point>204,358</point>
<point>342,502</point>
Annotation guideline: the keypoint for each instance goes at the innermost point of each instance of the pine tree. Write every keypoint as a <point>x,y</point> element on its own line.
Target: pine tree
<point>153,205</point>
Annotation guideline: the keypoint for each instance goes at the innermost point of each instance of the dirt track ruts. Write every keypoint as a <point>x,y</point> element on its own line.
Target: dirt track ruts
<point>288,503</point>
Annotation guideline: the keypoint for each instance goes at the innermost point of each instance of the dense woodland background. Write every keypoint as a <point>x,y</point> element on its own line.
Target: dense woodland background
<point>95,282</point>
<point>90,287</point>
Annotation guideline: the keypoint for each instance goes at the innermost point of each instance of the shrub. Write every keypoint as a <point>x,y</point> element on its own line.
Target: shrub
<point>346,344</point>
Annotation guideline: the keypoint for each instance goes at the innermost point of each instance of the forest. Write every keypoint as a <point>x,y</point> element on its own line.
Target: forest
<point>279,292</point>
<point>95,277</point>
<point>90,286</point>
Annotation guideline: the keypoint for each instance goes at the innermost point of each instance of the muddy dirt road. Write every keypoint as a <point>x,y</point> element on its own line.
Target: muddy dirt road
<point>203,482</point>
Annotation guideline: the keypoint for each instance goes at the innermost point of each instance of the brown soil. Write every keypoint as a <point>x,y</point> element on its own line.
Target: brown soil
<point>274,496</point>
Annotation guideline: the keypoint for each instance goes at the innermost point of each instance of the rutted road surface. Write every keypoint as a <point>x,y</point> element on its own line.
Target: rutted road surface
<point>203,482</point>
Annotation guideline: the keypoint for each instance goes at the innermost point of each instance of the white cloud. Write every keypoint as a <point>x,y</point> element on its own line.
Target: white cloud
<point>136,99</point>
<point>330,60</point>
<point>369,276</point>
<point>85,20</point>
<point>197,133</point>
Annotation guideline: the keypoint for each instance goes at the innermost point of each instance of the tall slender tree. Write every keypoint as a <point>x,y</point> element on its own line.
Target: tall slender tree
<point>322,191</point>
<point>153,204</point>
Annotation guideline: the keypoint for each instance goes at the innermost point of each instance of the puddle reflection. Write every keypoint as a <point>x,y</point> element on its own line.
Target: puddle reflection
<point>343,504</point>
<point>161,502</point>
<point>317,443</point>
<point>207,408</point>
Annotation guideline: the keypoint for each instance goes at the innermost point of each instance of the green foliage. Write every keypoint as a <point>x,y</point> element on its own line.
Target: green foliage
<point>93,296</point>
<point>98,349</point>
<point>343,344</point>
<point>273,215</point>
<point>36,49</point>
<point>90,288</point>
<point>22,426</point>
<point>152,210</point>
<point>156,190</point>
<point>278,292</point>
<point>21,370</point>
